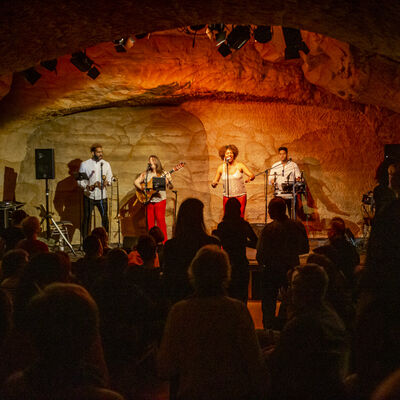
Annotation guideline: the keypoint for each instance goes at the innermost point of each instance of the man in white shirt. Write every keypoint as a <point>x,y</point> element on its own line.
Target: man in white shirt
<point>97,175</point>
<point>283,174</point>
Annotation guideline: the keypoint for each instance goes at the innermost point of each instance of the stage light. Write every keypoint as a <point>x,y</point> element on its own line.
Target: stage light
<point>81,61</point>
<point>294,43</point>
<point>220,38</point>
<point>262,34</point>
<point>120,45</point>
<point>93,73</point>
<point>238,37</point>
<point>31,75</point>
<point>220,35</point>
<point>84,64</point>
<point>224,50</point>
<point>49,64</point>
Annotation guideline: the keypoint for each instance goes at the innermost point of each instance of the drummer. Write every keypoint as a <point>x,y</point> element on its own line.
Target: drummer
<point>283,174</point>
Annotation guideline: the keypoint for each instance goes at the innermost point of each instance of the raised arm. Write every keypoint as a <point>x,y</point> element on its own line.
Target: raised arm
<point>217,177</point>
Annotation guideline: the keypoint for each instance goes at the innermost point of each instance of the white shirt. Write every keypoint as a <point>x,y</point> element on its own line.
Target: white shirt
<point>92,169</point>
<point>283,172</point>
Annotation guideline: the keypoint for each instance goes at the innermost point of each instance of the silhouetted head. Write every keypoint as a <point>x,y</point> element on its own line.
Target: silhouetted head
<point>232,209</point>
<point>102,235</point>
<point>147,248</point>
<point>31,227</point>
<point>157,234</point>
<point>92,246</point>
<point>309,284</point>
<point>62,323</point>
<point>117,260</point>
<point>337,228</point>
<point>18,216</point>
<point>277,208</point>
<point>210,271</point>
<point>13,262</point>
<point>190,220</point>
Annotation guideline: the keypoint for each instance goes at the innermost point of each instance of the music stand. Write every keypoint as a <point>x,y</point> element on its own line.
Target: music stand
<point>159,183</point>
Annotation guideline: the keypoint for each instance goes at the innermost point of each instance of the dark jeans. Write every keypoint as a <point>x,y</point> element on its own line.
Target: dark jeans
<point>272,281</point>
<point>88,206</point>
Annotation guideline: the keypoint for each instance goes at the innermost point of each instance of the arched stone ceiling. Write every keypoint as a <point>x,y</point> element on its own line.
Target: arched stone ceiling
<point>37,30</point>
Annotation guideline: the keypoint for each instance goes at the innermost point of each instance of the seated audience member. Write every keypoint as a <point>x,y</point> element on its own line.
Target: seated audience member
<point>209,342</point>
<point>31,244</point>
<point>91,266</point>
<point>310,359</point>
<point>102,235</point>
<point>145,247</point>
<point>377,346</point>
<point>236,234</point>
<point>389,389</point>
<point>62,322</point>
<point>13,234</point>
<point>278,249</point>
<point>12,265</point>
<point>338,293</point>
<point>126,314</point>
<point>188,237</point>
<point>158,236</point>
<point>341,252</point>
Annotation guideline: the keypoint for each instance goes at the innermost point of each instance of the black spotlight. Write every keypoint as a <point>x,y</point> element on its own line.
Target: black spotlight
<point>49,64</point>
<point>224,49</point>
<point>262,34</point>
<point>81,61</point>
<point>238,37</point>
<point>93,73</point>
<point>31,75</point>
<point>294,43</point>
<point>120,45</point>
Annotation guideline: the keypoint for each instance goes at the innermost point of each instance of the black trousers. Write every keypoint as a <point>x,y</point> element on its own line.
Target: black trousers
<point>272,281</point>
<point>88,206</point>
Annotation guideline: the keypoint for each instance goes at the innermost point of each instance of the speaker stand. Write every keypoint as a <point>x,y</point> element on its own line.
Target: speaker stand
<point>47,216</point>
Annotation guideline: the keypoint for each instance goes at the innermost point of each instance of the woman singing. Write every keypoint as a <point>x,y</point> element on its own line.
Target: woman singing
<point>157,202</point>
<point>232,175</point>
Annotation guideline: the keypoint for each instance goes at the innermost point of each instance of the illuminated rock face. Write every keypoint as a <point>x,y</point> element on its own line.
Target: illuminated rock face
<point>183,103</point>
<point>337,164</point>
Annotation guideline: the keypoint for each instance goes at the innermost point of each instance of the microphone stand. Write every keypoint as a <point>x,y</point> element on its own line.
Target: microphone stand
<point>227,177</point>
<point>145,196</point>
<point>117,217</point>
<point>101,193</point>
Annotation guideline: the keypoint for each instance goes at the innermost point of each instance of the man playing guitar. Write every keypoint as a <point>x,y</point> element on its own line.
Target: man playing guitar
<point>96,176</point>
<point>155,200</point>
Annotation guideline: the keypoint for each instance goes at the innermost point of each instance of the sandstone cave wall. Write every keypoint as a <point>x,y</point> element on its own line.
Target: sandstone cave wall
<point>338,150</point>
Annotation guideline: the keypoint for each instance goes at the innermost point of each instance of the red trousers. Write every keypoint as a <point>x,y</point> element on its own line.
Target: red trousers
<point>242,201</point>
<point>156,216</point>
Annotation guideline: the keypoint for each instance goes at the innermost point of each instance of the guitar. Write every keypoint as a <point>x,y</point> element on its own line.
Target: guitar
<point>141,195</point>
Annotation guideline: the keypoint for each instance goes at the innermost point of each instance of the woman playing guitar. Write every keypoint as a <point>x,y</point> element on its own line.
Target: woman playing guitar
<point>155,200</point>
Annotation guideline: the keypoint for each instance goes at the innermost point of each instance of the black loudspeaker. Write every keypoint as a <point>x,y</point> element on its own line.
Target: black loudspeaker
<point>44,162</point>
<point>129,242</point>
<point>392,152</point>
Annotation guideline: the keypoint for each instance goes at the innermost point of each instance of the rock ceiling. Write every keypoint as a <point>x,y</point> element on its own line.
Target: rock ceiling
<point>361,65</point>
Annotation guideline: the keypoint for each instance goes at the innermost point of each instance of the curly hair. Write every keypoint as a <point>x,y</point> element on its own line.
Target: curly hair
<point>223,150</point>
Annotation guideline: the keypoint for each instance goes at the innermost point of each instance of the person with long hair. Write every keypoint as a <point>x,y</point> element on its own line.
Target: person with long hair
<point>157,202</point>
<point>189,236</point>
<point>232,172</point>
<point>236,234</point>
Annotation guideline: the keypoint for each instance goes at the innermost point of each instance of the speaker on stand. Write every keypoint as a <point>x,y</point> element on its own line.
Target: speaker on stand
<point>45,169</point>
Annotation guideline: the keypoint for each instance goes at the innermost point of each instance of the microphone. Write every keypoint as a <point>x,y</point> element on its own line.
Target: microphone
<point>227,159</point>
<point>101,164</point>
<point>148,167</point>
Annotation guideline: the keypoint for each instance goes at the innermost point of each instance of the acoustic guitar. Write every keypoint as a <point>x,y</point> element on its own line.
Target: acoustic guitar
<point>141,195</point>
